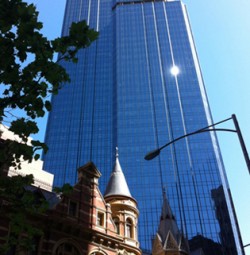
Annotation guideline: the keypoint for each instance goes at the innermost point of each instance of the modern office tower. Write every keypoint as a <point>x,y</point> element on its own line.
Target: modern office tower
<point>137,87</point>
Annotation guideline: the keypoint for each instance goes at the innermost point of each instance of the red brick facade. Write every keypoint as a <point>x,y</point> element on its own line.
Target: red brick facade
<point>81,223</point>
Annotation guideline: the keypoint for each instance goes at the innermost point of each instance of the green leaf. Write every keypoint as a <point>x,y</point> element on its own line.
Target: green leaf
<point>48,105</point>
<point>66,189</point>
<point>37,156</point>
<point>24,128</point>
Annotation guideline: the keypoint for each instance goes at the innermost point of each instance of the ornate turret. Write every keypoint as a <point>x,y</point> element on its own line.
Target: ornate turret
<point>123,206</point>
<point>169,240</point>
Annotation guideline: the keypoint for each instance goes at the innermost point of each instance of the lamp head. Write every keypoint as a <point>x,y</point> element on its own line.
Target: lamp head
<point>152,154</point>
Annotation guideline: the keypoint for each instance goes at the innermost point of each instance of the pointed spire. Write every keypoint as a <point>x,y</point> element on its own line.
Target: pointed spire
<point>167,223</point>
<point>166,212</point>
<point>168,231</point>
<point>117,183</point>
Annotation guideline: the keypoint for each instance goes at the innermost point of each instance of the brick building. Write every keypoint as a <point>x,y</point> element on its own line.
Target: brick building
<point>85,222</point>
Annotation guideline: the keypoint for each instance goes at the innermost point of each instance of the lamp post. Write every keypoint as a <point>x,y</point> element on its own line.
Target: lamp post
<point>152,154</point>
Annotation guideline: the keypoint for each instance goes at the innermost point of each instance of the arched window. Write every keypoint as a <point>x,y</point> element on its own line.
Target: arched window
<point>117,224</point>
<point>129,228</point>
<point>67,248</point>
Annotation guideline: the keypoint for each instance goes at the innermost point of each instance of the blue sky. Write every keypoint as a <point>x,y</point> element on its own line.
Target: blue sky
<point>221,31</point>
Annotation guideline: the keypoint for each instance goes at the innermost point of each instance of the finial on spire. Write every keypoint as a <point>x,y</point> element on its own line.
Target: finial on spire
<point>116,152</point>
<point>164,191</point>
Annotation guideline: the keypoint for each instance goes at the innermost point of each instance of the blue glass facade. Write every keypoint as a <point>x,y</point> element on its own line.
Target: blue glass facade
<point>123,94</point>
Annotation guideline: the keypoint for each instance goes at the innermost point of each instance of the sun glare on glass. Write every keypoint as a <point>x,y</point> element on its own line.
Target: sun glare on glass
<point>175,70</point>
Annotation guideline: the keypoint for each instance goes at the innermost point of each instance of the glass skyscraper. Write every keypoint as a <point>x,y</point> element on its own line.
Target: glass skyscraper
<point>124,93</point>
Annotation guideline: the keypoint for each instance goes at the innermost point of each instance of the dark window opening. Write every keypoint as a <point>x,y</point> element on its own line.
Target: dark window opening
<point>72,209</point>
<point>117,224</point>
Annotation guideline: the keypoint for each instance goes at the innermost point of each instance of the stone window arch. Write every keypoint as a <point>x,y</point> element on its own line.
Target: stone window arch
<point>67,247</point>
<point>129,228</point>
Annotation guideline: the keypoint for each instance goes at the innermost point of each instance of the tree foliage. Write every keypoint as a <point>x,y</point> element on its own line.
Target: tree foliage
<point>29,74</point>
<point>20,205</point>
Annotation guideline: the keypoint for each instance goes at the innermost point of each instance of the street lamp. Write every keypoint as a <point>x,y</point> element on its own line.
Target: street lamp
<point>156,152</point>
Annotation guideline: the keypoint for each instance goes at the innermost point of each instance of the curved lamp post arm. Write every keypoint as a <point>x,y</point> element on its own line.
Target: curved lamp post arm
<point>156,152</point>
